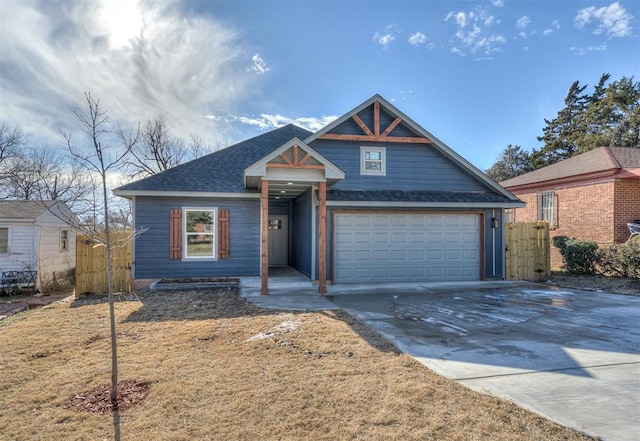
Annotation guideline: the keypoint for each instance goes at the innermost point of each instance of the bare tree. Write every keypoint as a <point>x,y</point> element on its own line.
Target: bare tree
<point>158,150</point>
<point>102,159</point>
<point>11,139</point>
<point>41,173</point>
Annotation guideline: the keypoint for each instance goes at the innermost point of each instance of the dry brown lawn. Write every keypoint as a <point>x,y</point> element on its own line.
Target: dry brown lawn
<point>221,369</point>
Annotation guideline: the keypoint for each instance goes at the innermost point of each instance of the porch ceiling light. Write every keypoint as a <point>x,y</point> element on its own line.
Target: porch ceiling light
<point>289,183</point>
<point>282,191</point>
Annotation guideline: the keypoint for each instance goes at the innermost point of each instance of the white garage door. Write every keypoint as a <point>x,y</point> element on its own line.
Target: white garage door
<point>406,247</point>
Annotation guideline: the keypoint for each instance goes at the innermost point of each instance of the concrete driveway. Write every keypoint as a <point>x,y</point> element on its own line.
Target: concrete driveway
<point>570,356</point>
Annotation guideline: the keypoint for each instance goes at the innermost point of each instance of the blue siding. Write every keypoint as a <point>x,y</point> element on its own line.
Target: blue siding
<point>301,212</point>
<point>494,269</point>
<point>410,167</point>
<point>279,208</point>
<point>152,247</point>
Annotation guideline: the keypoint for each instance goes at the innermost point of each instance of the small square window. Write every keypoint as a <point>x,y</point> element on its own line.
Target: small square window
<point>373,161</point>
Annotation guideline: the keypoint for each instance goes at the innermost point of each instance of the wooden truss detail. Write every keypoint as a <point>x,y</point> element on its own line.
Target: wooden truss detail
<point>294,161</point>
<point>376,135</point>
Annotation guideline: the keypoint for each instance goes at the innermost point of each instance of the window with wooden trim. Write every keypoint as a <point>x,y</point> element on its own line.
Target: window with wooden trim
<point>198,233</point>
<point>373,161</point>
<point>64,240</point>
<point>4,240</point>
<point>547,207</point>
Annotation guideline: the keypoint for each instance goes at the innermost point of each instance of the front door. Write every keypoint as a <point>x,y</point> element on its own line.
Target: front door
<point>278,240</point>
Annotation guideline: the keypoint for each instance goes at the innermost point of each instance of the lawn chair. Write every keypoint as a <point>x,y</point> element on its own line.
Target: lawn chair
<point>634,229</point>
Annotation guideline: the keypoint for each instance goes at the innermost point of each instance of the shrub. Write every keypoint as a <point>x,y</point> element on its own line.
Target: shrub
<point>621,259</point>
<point>579,256</point>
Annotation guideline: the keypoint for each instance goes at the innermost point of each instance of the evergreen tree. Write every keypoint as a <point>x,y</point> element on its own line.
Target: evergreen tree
<point>561,134</point>
<point>513,161</point>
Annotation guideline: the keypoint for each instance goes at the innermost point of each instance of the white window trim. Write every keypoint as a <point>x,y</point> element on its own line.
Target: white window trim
<point>383,168</point>
<point>214,233</point>
<point>63,250</point>
<point>2,253</point>
<point>553,208</point>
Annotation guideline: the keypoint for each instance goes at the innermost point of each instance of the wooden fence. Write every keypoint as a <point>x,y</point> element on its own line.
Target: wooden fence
<point>91,274</point>
<point>527,250</point>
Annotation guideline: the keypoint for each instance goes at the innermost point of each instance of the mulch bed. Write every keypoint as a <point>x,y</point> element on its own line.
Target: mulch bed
<point>98,400</point>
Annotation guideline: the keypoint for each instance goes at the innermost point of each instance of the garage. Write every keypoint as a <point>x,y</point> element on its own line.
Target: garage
<point>406,247</point>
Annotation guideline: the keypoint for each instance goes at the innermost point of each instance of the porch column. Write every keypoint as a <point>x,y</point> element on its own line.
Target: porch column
<point>264,235</point>
<point>322,242</point>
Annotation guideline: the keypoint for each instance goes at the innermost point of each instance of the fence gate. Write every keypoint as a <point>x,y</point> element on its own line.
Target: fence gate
<point>527,250</point>
<point>91,271</point>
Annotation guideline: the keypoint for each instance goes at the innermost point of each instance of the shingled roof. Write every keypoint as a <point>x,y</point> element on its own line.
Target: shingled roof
<point>23,209</point>
<point>221,171</point>
<point>602,159</point>
<point>416,196</point>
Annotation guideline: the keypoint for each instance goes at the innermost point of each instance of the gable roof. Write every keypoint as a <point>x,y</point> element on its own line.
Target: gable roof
<point>420,132</point>
<point>258,169</point>
<point>219,172</point>
<point>600,162</point>
<point>23,209</point>
<point>222,173</point>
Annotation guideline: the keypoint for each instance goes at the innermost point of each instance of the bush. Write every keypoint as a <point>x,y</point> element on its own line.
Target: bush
<point>621,259</point>
<point>579,256</point>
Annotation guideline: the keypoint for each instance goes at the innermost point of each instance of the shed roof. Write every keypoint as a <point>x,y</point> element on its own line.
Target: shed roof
<point>23,209</point>
<point>598,160</point>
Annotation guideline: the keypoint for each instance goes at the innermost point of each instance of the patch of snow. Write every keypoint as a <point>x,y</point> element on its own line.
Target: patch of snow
<point>290,324</point>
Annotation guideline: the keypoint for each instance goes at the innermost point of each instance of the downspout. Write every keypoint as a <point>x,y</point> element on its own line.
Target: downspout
<point>493,234</point>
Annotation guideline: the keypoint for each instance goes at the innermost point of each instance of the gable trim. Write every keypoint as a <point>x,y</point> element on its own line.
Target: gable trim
<point>259,168</point>
<point>376,136</point>
<point>435,142</point>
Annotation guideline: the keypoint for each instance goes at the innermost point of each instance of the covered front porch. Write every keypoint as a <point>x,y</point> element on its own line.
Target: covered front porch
<point>293,182</point>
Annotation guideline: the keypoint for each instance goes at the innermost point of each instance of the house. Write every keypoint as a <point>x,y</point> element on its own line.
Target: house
<point>371,197</point>
<point>33,237</point>
<point>590,196</point>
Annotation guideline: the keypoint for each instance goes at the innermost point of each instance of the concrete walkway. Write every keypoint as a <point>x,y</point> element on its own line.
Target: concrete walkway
<point>570,356</point>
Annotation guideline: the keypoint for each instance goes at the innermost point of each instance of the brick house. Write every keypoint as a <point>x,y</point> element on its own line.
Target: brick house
<point>590,196</point>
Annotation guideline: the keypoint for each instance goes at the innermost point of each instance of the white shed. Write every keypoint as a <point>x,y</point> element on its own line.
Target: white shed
<point>34,236</point>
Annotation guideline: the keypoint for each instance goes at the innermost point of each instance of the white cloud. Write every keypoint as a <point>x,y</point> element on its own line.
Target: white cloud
<point>497,3</point>
<point>523,22</point>
<point>158,60</point>
<point>585,50</point>
<point>417,39</point>
<point>473,34</point>
<point>612,20</point>
<point>268,122</point>
<point>385,39</point>
<point>555,25</point>
<point>259,66</point>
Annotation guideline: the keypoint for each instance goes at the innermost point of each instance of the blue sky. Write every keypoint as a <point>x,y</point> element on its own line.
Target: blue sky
<point>477,74</point>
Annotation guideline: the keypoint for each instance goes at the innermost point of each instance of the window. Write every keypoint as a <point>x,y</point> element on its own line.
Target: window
<point>547,207</point>
<point>4,241</point>
<point>373,161</point>
<point>199,231</point>
<point>64,240</point>
<point>509,215</point>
